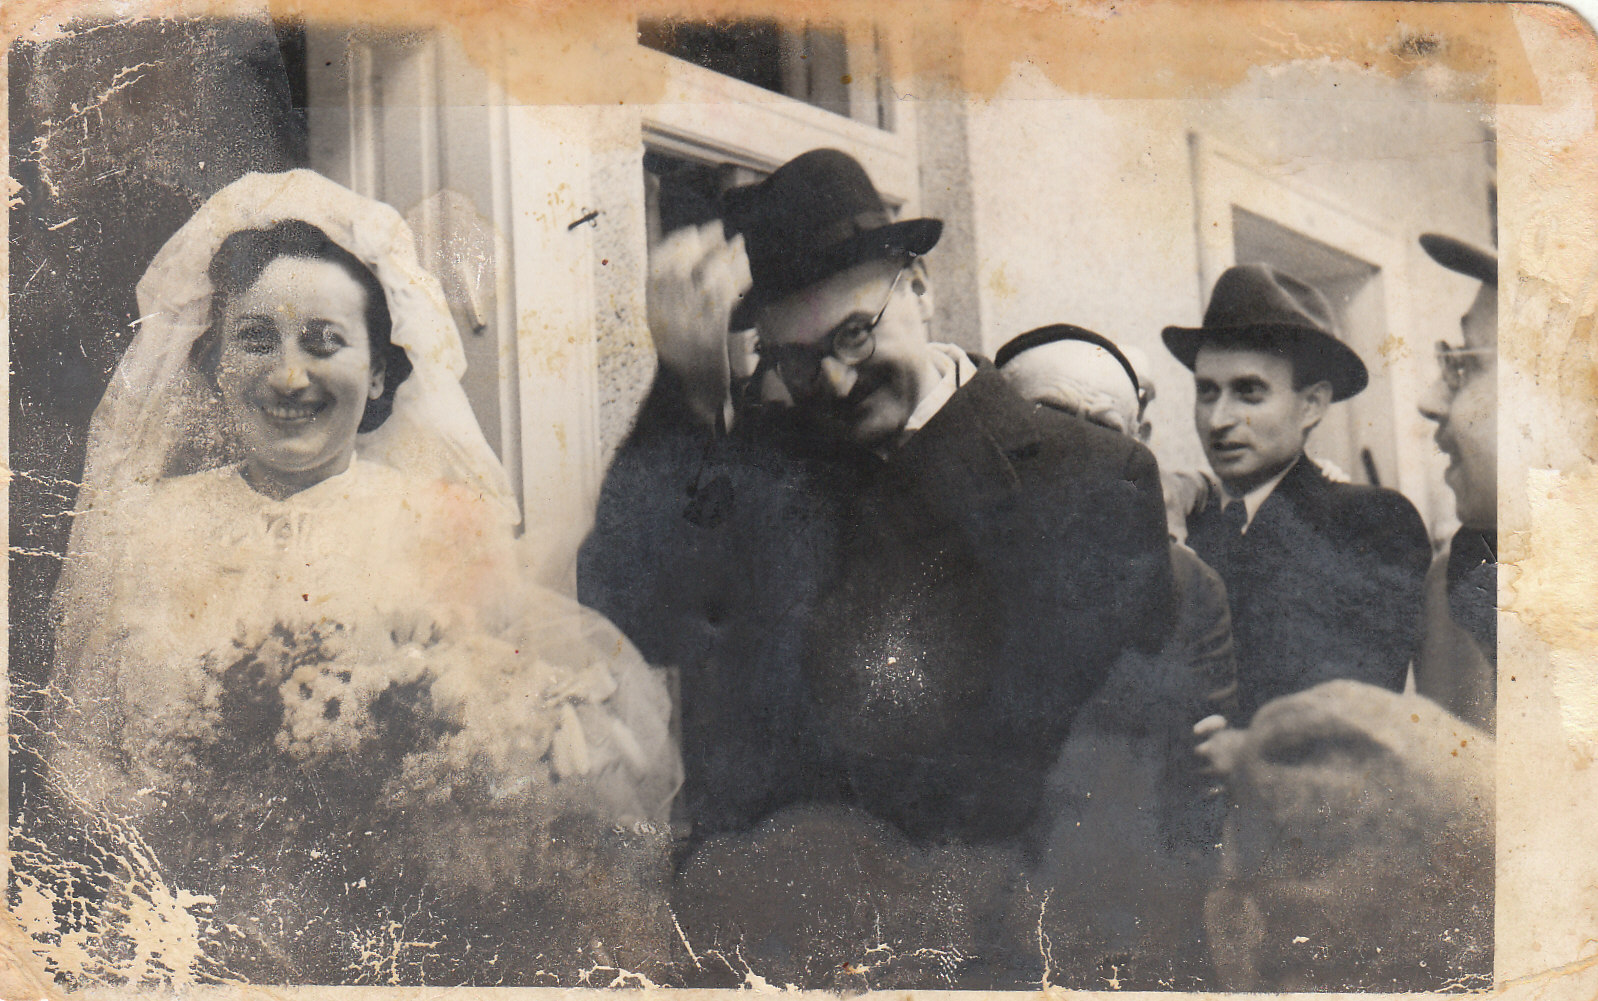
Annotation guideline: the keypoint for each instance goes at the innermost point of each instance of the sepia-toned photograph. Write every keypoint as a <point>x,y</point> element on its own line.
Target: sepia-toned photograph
<point>996,498</point>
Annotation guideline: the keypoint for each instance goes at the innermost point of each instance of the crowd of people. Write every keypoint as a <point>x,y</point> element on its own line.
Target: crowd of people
<point>893,666</point>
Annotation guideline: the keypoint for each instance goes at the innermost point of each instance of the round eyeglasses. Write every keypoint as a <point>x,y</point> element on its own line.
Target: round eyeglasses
<point>851,342</point>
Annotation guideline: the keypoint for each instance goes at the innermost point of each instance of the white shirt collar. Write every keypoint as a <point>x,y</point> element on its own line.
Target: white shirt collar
<point>956,369</point>
<point>1254,498</point>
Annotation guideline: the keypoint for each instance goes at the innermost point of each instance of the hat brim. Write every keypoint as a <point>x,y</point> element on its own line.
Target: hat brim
<point>1457,255</point>
<point>907,237</point>
<point>1316,354</point>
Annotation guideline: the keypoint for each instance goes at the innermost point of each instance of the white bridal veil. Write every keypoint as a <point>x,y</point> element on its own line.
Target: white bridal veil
<point>159,417</point>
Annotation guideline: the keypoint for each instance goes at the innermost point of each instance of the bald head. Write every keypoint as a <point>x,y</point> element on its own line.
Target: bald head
<point>1078,377</point>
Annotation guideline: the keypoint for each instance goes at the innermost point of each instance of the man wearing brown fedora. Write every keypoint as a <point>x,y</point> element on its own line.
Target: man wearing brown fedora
<point>1458,660</point>
<point>886,581</point>
<point>1324,578</point>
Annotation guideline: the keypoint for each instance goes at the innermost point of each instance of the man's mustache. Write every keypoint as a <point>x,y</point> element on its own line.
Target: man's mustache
<point>843,408</point>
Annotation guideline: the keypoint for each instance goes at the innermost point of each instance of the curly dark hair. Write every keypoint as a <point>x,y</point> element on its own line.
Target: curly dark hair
<point>237,265</point>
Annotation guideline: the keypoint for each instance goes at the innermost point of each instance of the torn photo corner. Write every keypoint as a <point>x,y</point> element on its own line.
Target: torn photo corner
<point>835,497</point>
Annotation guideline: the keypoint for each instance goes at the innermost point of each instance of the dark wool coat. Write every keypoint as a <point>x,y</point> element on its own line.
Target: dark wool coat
<point>1326,583</point>
<point>912,635</point>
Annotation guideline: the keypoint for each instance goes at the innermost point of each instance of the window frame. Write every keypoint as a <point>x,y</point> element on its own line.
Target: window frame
<point>704,115</point>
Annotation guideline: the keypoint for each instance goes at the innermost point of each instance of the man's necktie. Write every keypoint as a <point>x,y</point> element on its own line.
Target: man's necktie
<point>1235,517</point>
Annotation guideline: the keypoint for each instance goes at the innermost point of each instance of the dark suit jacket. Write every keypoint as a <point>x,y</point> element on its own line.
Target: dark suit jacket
<point>912,635</point>
<point>1457,664</point>
<point>1326,583</point>
<point>1132,822</point>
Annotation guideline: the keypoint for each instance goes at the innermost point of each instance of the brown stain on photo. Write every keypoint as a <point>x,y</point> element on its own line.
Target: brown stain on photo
<point>1546,336</point>
<point>1180,49</point>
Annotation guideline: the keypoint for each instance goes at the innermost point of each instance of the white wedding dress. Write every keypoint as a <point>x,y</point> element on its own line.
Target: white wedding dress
<point>347,722</point>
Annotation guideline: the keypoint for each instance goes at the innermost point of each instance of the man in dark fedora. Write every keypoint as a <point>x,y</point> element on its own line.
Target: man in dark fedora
<point>1324,578</point>
<point>1394,890</point>
<point>1458,660</point>
<point>886,582</point>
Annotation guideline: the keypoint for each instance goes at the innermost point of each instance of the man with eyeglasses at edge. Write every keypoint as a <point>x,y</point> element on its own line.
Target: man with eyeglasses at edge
<point>886,581</point>
<point>1457,667</point>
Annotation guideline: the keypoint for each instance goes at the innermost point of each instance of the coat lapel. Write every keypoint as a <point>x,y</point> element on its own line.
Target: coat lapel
<point>980,427</point>
<point>963,460</point>
<point>1293,503</point>
<point>1238,558</point>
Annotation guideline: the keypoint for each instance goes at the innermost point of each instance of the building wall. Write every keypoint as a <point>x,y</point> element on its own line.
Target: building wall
<point>624,350</point>
<point>1085,215</point>
<point>1056,208</point>
<point>1085,212</point>
<point>944,149</point>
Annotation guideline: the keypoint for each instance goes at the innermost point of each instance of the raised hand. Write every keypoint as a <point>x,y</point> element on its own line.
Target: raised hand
<point>1187,493</point>
<point>1217,748</point>
<point>696,276</point>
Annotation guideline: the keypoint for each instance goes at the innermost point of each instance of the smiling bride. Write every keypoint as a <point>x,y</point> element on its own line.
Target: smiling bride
<point>299,652</point>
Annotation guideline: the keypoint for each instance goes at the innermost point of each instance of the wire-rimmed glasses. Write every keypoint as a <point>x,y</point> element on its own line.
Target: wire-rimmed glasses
<point>1458,363</point>
<point>851,342</point>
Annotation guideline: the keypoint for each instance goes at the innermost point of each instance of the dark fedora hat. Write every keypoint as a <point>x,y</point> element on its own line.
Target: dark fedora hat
<point>1457,255</point>
<point>815,216</point>
<point>1257,305</point>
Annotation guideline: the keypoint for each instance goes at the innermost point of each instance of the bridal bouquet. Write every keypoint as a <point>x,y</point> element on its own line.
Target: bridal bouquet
<point>390,715</point>
<point>395,801</point>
